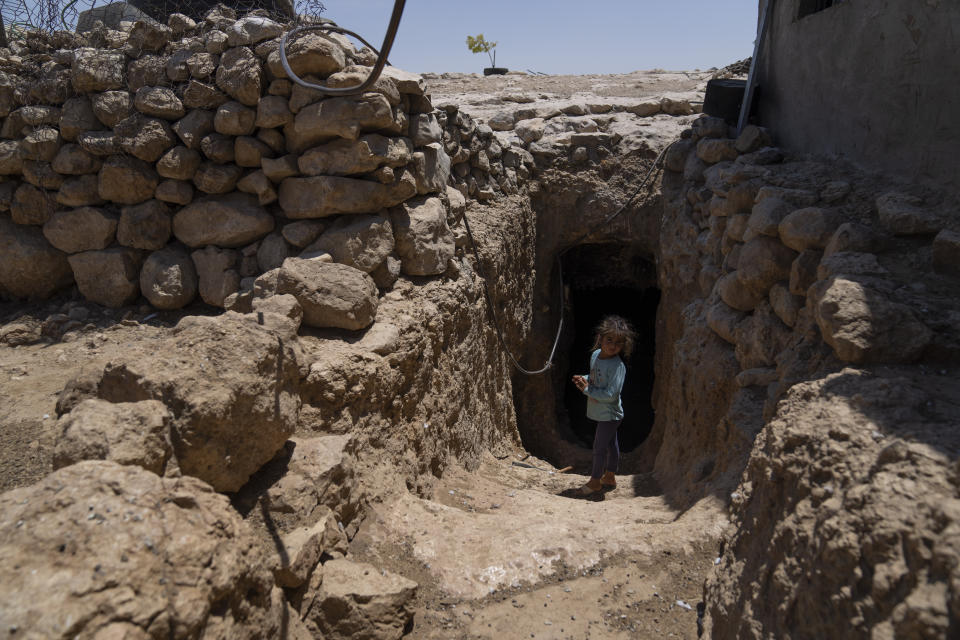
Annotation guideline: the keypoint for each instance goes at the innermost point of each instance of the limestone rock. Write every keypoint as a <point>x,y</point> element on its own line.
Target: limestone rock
<point>848,263</point>
<point>850,236</point>
<point>200,95</point>
<point>344,117</point>
<point>406,82</point>
<point>111,107</point>
<point>97,70</point>
<point>203,65</point>
<point>272,252</point>
<point>423,239</point>
<point>41,144</point>
<point>713,150</point>
<point>765,218</point>
<point>301,233</point>
<point>83,229</point>
<point>331,294</point>
<point>217,274</point>
<point>144,226</point>
<point>78,116</point>
<point>219,148</point>
<point>676,157</point>
<point>230,221</point>
<point>159,102</point>
<point>29,266</point>
<point>143,137</point>
<point>644,108</point>
<point>132,433</point>
<point>11,162</point>
<point>249,151</point>
<point>174,192</point>
<point>863,325</point>
<point>785,304</point>
<point>273,111</point>
<point>753,138</point>
<point>147,71</point>
<point>387,273</point>
<point>348,157</point>
<point>724,320</point>
<point>310,53</point>
<point>31,205</point>
<point>809,228</point>
<point>303,548</point>
<point>127,180</point>
<point>251,30</point>
<point>946,252</point>
<point>803,271</point>
<point>217,178</point>
<point>320,196</point>
<point>179,163</point>
<point>279,169</point>
<point>431,169</point>
<point>148,35</point>
<point>424,129</point>
<point>154,527</point>
<point>529,130</point>
<point>72,160</point>
<point>110,277</point>
<point>168,279</point>
<point>360,241</point>
<point>356,600</point>
<point>194,126</point>
<point>760,338</point>
<point>258,184</point>
<point>240,75</point>
<point>42,175</point>
<point>736,295</point>
<point>763,262</point>
<point>234,119</point>
<point>902,215</point>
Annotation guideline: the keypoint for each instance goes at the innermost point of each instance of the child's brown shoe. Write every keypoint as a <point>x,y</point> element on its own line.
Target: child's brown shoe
<point>609,480</point>
<point>591,487</point>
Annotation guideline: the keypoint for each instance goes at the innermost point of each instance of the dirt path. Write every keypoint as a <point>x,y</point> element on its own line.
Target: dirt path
<point>511,552</point>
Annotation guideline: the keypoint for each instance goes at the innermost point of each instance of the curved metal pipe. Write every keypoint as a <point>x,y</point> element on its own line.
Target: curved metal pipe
<point>377,68</point>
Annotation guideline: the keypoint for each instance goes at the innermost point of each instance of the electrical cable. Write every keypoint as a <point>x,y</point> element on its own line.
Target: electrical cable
<point>377,68</point>
<point>657,163</point>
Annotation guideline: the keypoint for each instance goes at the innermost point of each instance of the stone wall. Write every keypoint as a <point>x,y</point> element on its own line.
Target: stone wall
<point>811,337</point>
<point>179,162</point>
<point>887,106</point>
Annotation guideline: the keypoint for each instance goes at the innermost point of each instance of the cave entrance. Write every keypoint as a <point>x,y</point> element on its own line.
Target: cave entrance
<point>602,280</point>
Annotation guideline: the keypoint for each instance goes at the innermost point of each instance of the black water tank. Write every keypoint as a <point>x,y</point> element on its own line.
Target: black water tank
<point>723,99</point>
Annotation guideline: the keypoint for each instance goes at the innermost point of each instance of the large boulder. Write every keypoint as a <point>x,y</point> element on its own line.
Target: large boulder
<point>321,196</point>
<point>331,294</point>
<point>110,277</point>
<point>83,229</point>
<point>230,221</point>
<point>240,75</point>
<point>863,325</point>
<point>423,239</point>
<point>361,241</point>
<point>357,600</point>
<point>129,433</point>
<point>763,262</point>
<point>29,266</point>
<point>344,117</point>
<point>350,157</point>
<point>251,30</point>
<point>100,550</point>
<point>168,278</point>
<point>231,386</point>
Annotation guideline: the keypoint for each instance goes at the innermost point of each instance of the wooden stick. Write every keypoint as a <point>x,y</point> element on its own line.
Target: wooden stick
<point>565,469</point>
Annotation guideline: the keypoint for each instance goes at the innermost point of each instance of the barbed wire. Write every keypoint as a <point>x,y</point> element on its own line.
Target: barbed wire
<point>48,16</point>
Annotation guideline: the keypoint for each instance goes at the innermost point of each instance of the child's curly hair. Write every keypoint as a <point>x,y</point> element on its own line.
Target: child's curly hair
<point>620,329</point>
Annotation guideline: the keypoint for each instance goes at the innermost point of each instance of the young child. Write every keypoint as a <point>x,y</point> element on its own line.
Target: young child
<point>602,388</point>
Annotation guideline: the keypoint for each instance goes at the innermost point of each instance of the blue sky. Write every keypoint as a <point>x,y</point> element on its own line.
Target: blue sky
<point>559,36</point>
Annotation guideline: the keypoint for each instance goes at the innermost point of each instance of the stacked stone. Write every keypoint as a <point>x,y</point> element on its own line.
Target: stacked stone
<point>779,262</point>
<point>179,160</point>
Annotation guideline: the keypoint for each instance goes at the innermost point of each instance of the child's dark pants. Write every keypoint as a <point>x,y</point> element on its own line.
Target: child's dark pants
<point>606,448</point>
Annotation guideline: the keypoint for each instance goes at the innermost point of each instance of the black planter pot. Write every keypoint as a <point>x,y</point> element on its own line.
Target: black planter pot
<point>495,71</point>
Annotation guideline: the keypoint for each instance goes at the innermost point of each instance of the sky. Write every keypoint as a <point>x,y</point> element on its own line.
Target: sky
<point>558,36</point>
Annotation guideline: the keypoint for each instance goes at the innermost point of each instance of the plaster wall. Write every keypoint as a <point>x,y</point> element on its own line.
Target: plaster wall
<point>874,82</point>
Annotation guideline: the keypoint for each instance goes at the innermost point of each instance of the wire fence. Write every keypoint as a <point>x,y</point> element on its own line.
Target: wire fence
<point>48,16</point>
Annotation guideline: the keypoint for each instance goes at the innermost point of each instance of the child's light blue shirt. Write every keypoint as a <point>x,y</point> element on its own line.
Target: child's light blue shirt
<point>603,388</point>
